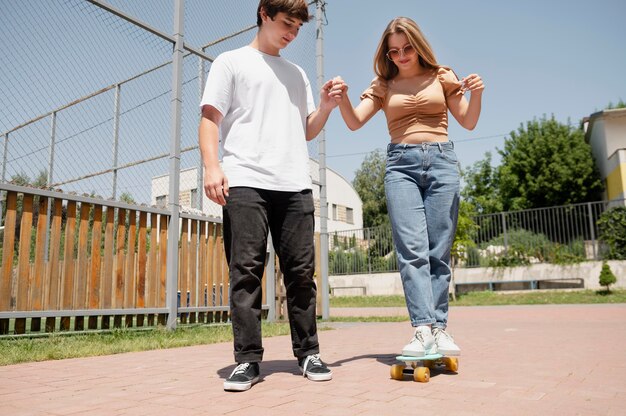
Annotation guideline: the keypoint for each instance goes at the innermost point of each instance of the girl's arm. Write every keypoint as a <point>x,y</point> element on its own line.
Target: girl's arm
<point>354,118</point>
<point>467,113</point>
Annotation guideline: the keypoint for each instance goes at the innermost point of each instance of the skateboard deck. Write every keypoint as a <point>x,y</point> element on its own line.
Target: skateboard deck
<point>420,367</point>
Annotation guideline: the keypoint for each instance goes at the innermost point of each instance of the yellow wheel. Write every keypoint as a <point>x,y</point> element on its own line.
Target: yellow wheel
<point>452,364</point>
<point>421,374</point>
<point>397,372</point>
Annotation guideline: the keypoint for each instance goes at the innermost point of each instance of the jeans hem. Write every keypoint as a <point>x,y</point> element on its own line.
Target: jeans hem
<point>418,322</point>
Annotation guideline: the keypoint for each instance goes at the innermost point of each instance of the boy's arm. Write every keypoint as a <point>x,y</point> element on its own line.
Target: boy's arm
<point>215,183</point>
<point>329,98</point>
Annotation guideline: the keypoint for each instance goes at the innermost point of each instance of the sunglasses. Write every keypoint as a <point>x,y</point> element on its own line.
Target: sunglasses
<point>394,54</point>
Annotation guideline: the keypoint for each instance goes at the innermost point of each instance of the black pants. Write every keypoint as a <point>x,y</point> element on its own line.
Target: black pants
<point>248,215</point>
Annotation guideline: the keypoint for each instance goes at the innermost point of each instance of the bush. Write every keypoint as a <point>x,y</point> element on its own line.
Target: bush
<point>607,278</point>
<point>612,231</point>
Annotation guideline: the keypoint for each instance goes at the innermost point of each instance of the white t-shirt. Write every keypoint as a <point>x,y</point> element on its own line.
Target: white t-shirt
<point>265,101</point>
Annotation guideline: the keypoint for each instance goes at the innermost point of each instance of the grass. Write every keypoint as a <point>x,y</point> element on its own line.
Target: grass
<point>14,350</point>
<point>493,298</point>
<point>59,346</point>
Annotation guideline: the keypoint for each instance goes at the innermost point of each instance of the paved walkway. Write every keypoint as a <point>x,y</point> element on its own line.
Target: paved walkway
<point>517,360</point>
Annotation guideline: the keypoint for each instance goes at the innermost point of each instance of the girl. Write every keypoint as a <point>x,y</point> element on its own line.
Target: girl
<point>422,172</point>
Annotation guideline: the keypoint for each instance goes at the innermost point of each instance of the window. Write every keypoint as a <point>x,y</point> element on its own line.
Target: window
<point>335,212</point>
<point>194,198</point>
<point>161,201</point>
<point>349,215</point>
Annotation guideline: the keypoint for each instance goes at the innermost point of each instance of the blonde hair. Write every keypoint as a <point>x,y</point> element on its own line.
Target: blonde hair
<point>385,68</point>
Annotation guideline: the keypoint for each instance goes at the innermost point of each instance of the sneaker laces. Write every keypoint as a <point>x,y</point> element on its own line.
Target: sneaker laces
<point>438,333</point>
<point>314,360</point>
<point>240,369</point>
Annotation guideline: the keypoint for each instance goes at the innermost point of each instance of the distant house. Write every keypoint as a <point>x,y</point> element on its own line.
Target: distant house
<point>605,131</point>
<point>345,208</point>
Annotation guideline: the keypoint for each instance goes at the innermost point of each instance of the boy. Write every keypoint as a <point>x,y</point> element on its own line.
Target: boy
<point>264,107</point>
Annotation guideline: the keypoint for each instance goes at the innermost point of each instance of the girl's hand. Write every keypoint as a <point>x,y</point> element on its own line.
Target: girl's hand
<point>472,83</point>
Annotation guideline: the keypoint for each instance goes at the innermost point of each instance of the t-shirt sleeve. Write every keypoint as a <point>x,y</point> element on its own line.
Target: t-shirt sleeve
<point>310,102</point>
<point>218,90</point>
<point>449,81</point>
<point>377,92</point>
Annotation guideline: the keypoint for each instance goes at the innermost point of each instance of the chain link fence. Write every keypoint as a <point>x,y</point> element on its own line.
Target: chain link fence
<point>87,89</point>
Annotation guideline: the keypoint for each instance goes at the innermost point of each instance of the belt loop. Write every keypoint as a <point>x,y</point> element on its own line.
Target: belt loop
<point>439,146</point>
<point>452,144</point>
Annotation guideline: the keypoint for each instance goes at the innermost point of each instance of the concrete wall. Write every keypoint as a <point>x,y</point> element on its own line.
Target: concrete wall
<point>390,284</point>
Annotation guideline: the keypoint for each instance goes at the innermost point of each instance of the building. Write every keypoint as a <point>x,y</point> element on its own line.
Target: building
<point>345,208</point>
<point>605,131</point>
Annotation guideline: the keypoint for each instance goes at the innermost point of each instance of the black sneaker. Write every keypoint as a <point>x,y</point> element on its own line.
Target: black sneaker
<point>314,369</point>
<point>242,377</point>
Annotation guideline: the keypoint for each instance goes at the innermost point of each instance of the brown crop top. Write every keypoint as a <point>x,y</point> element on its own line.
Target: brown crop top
<point>426,111</point>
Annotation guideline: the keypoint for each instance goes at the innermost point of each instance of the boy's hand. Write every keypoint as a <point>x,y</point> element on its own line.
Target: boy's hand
<point>330,96</point>
<point>216,185</point>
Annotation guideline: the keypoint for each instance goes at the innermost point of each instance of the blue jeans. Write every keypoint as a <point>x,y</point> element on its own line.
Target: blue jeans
<point>249,214</point>
<point>422,184</point>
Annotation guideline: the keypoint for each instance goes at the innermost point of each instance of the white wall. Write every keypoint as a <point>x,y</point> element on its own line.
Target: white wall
<point>390,283</point>
<point>339,192</point>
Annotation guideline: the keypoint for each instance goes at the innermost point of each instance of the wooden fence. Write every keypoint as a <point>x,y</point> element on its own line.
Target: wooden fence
<point>83,263</point>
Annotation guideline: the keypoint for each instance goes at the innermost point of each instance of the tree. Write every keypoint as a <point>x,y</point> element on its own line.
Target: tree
<point>369,182</point>
<point>620,104</point>
<point>612,231</point>
<point>607,278</point>
<point>481,187</point>
<point>547,163</point>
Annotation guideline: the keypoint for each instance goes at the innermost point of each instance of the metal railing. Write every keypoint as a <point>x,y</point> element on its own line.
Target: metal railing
<point>563,234</point>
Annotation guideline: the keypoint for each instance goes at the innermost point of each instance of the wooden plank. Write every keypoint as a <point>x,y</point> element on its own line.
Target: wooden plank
<point>210,258</point>
<point>129,278</point>
<point>183,268</point>
<point>202,275</point>
<point>193,264</point>
<point>152,277</point>
<point>142,259</point>
<point>162,262</point>
<point>96,260</point>
<point>109,255</point>
<point>39,268</point>
<point>83,258</point>
<point>68,263</point>
<point>23,261</point>
<point>53,275</point>
<point>8,244</point>
<point>119,259</point>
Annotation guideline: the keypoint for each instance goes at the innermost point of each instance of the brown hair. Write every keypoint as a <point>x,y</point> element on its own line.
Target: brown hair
<point>385,68</point>
<point>293,8</point>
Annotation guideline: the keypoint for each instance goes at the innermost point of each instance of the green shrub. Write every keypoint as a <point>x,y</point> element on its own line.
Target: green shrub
<point>612,231</point>
<point>607,278</point>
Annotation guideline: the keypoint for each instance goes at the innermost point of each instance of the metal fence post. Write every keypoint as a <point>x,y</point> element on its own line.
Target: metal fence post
<point>5,147</point>
<point>174,162</point>
<point>592,231</point>
<point>506,244</point>
<point>270,281</point>
<point>319,54</point>
<point>116,138</point>
<point>200,176</point>
<point>50,178</point>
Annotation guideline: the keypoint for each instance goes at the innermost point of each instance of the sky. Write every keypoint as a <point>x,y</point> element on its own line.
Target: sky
<point>558,57</point>
<point>561,58</point>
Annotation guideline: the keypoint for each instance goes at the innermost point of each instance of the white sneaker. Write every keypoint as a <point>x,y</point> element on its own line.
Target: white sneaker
<point>445,343</point>
<point>422,343</point>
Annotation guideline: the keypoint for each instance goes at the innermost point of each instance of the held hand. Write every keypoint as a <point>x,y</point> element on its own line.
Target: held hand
<point>216,185</point>
<point>339,88</point>
<point>328,97</point>
<point>472,83</point>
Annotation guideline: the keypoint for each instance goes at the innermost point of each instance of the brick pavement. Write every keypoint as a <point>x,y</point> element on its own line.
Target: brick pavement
<point>517,360</point>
